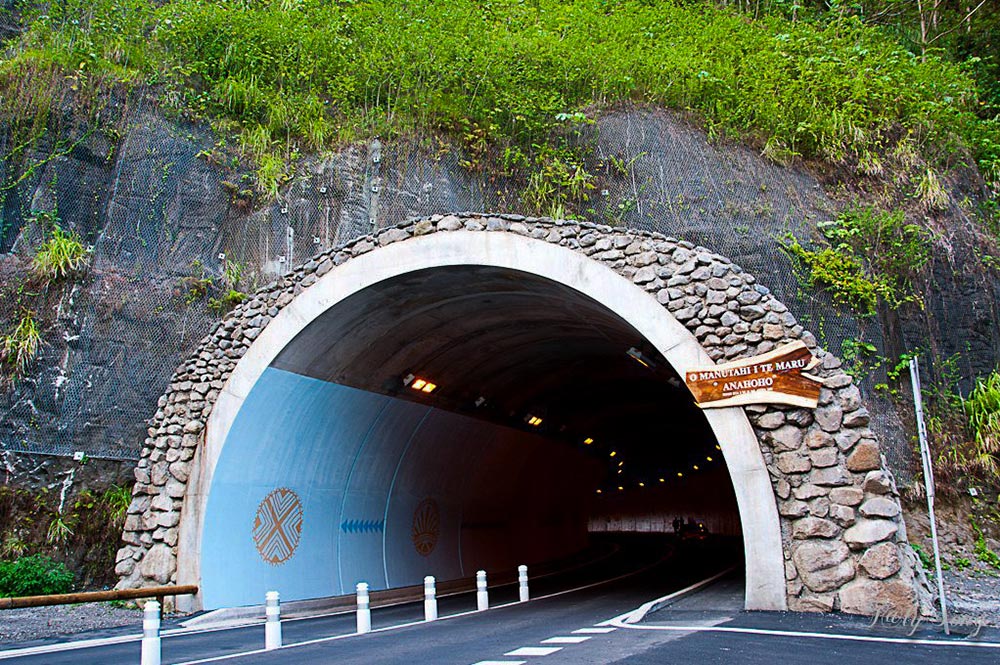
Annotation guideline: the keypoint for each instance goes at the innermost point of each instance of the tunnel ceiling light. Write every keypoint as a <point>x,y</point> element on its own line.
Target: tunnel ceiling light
<point>408,379</point>
<point>708,459</point>
<point>588,441</point>
<point>423,385</point>
<point>637,356</point>
<point>663,480</point>
<point>695,467</point>
<point>622,463</point>
<point>680,475</point>
<point>718,447</point>
<point>534,421</point>
<point>613,453</point>
<point>619,471</point>
<point>642,484</point>
<point>620,488</point>
<point>599,492</point>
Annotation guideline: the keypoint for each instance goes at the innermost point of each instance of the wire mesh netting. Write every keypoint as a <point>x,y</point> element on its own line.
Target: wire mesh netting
<point>166,207</point>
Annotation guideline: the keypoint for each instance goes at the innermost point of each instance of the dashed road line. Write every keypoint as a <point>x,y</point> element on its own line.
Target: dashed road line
<point>596,630</point>
<point>533,651</point>
<point>846,637</point>
<point>574,639</point>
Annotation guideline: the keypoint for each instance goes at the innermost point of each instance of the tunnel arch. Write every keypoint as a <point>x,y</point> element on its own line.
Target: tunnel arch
<point>789,467</point>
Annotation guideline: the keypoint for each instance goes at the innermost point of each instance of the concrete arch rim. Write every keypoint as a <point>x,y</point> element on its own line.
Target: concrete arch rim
<point>764,552</point>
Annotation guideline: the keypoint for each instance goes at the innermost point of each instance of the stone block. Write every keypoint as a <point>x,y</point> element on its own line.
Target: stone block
<point>793,463</point>
<point>880,507</point>
<point>867,532</point>
<point>842,515</point>
<point>881,561</point>
<point>877,482</point>
<point>814,527</point>
<point>810,491</point>
<point>833,476</point>
<point>829,418</point>
<point>158,564</point>
<point>811,602</point>
<point>858,418</point>
<point>816,439</point>
<point>848,496</point>
<point>823,457</point>
<point>824,565</point>
<point>771,420</point>
<point>865,457</point>
<point>793,509</point>
<point>884,598</point>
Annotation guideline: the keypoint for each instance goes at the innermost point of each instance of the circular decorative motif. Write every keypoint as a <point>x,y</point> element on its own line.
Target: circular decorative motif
<point>277,527</point>
<point>426,526</point>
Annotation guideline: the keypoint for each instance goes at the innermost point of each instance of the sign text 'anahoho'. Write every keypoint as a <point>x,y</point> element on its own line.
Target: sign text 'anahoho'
<point>778,377</point>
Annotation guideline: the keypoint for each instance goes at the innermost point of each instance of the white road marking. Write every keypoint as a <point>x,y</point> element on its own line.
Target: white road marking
<point>181,632</point>
<point>533,651</point>
<point>333,638</point>
<point>596,631</point>
<point>501,662</point>
<point>639,613</point>
<point>622,623</point>
<point>566,640</point>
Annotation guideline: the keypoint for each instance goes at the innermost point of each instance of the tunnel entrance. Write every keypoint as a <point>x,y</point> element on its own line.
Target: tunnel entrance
<point>450,419</point>
<point>443,350</point>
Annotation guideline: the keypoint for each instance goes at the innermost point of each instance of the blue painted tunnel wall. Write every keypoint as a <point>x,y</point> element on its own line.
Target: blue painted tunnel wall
<point>320,486</point>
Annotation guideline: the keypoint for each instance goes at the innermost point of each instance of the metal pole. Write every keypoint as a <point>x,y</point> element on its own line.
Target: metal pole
<point>482,596</point>
<point>430,599</point>
<point>272,627</point>
<point>925,458</point>
<point>522,583</point>
<point>364,611</point>
<point>151,633</point>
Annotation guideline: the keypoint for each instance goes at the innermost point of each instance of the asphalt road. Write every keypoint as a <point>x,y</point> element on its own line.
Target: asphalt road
<point>572,627</point>
<point>637,573</point>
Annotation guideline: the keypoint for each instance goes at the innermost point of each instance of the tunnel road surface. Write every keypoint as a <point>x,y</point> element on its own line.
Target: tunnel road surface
<point>634,573</point>
<point>575,618</point>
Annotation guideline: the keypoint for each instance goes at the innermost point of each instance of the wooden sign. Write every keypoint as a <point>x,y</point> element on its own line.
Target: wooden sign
<point>778,377</point>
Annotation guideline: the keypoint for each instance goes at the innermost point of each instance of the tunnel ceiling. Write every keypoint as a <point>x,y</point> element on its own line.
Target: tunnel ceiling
<point>527,345</point>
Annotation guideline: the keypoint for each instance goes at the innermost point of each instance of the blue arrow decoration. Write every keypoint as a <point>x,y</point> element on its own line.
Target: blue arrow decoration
<point>362,526</point>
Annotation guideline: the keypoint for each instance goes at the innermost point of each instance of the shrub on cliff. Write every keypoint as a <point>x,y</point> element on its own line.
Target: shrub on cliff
<point>33,576</point>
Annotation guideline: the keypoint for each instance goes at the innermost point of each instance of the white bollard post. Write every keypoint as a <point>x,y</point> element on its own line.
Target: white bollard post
<point>482,596</point>
<point>364,611</point>
<point>522,583</point>
<point>272,627</point>
<point>430,599</point>
<point>151,633</point>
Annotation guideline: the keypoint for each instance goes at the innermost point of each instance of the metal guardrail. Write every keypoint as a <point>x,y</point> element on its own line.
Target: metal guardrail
<point>158,592</point>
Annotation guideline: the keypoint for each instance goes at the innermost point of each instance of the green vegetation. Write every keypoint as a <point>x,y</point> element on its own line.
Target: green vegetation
<point>60,256</point>
<point>222,294</point>
<point>20,345</point>
<point>982,548</point>
<point>870,256</point>
<point>34,575</point>
<point>289,76</point>
<point>60,529</point>
<point>230,297</point>
<point>195,286</point>
<point>983,410</point>
<point>117,498</point>
<point>925,559</point>
<point>84,533</point>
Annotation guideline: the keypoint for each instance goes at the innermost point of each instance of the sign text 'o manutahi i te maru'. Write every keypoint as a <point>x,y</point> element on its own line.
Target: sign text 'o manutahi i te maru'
<point>777,377</point>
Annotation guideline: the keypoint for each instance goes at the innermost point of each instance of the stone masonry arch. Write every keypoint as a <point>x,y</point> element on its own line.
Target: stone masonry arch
<point>820,511</point>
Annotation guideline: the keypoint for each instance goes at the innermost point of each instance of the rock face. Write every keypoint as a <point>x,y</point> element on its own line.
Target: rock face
<point>164,195</point>
<point>703,290</point>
